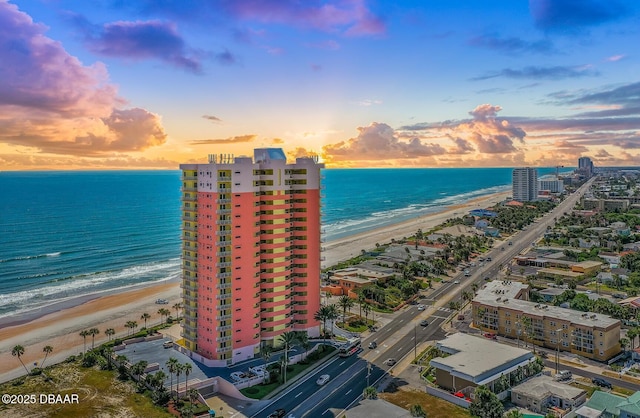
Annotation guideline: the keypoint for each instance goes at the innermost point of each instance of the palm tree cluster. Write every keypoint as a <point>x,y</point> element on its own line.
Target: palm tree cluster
<point>327,313</point>
<point>176,368</point>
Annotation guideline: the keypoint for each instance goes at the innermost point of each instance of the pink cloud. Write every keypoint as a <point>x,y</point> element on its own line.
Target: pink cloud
<point>350,17</point>
<point>51,102</point>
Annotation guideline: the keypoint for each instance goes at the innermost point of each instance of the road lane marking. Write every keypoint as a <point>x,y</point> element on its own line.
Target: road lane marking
<point>325,412</point>
<point>342,363</point>
<point>348,392</point>
<point>298,395</point>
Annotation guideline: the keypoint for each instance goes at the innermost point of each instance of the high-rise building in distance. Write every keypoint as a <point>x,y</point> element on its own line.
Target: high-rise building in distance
<point>250,253</point>
<point>585,166</point>
<point>525,184</point>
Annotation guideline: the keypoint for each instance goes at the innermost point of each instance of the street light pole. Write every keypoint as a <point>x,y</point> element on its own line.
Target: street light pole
<point>415,342</point>
<point>558,349</point>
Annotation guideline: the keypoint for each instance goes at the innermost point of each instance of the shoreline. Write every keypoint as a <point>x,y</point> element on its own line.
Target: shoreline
<point>59,323</point>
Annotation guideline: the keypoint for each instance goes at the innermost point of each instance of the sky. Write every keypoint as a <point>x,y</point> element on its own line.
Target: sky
<point>151,84</point>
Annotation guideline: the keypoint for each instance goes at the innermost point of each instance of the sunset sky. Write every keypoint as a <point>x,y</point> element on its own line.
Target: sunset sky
<point>111,84</point>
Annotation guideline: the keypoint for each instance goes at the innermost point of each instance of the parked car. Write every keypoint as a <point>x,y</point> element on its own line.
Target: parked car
<point>278,413</point>
<point>390,361</point>
<point>373,345</point>
<point>167,344</point>
<point>598,381</point>
<point>563,375</point>
<point>162,302</point>
<point>457,281</point>
<point>461,317</point>
<point>323,379</point>
<point>488,258</point>
<point>490,335</point>
<point>424,323</point>
<point>421,307</point>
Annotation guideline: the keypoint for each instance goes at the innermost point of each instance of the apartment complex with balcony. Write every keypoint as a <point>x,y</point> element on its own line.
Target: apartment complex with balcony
<point>250,253</point>
<point>525,184</point>
<point>503,308</point>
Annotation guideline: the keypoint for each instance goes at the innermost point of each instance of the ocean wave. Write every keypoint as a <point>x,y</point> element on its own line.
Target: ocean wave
<point>31,257</point>
<point>86,283</point>
<point>387,217</point>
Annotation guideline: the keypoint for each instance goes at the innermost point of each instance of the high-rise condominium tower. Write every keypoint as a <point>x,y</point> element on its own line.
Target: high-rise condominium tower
<point>525,184</point>
<point>251,253</point>
<point>585,166</point>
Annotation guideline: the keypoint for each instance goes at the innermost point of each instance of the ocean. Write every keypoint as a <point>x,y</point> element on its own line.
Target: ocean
<point>70,234</point>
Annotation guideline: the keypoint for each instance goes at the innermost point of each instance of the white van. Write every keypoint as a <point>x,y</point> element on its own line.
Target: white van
<point>563,375</point>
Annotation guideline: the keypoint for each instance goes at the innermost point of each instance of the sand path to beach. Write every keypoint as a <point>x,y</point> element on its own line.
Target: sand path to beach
<point>61,329</point>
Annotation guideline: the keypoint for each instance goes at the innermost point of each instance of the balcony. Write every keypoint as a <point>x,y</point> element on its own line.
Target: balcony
<point>223,201</point>
<point>190,228</point>
<point>223,232</point>
<point>189,328</point>
<point>190,198</point>
<point>223,243</point>
<point>223,253</point>
<point>190,258</point>
<point>224,328</point>
<point>190,218</point>
<point>190,298</point>
<point>191,267</point>
<point>223,222</point>
<point>223,339</point>
<point>223,317</point>
<point>223,275</point>
<point>223,211</point>
<point>223,307</point>
<point>225,264</point>
<point>188,208</point>
<point>223,286</point>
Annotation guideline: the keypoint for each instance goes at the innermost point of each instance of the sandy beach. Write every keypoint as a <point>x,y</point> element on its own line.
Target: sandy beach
<point>61,328</point>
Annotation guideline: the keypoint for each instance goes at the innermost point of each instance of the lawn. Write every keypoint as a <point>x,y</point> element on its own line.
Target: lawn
<point>436,407</point>
<point>100,393</point>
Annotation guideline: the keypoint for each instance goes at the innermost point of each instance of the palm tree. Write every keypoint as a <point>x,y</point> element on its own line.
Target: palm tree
<point>332,315</point>
<point>370,392</point>
<point>177,307</point>
<point>84,334</point>
<point>109,332</point>
<point>265,353</point>
<point>18,351</point>
<point>159,379</point>
<point>164,312</point>
<point>303,339</point>
<point>366,308</point>
<point>145,316</point>
<point>322,315</point>
<point>187,370</point>
<point>172,365</point>
<point>131,325</point>
<point>47,349</point>
<point>93,332</point>
<point>179,369</point>
<point>345,302</point>
<point>417,411</point>
<point>288,338</point>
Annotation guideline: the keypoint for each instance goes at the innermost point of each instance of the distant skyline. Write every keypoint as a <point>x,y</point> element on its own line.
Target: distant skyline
<point>150,84</point>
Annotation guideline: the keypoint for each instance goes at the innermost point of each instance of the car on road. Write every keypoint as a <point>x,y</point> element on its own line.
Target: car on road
<point>390,361</point>
<point>488,258</point>
<point>563,375</point>
<point>490,335</point>
<point>424,322</point>
<point>323,379</point>
<point>456,282</point>
<point>162,302</point>
<point>598,381</point>
<point>421,307</point>
<point>373,345</point>
<point>278,413</point>
<point>167,344</point>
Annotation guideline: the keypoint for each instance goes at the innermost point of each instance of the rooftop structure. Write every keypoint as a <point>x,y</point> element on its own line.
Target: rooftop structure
<point>250,253</point>
<point>499,309</point>
<point>525,184</point>
<point>475,361</point>
<point>542,392</point>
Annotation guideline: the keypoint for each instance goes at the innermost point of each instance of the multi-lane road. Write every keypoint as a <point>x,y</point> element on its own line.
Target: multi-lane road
<point>349,376</point>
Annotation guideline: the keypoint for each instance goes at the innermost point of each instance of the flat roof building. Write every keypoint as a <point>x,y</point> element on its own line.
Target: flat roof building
<point>473,361</point>
<point>525,184</point>
<point>250,253</point>
<point>541,394</point>
<point>502,309</point>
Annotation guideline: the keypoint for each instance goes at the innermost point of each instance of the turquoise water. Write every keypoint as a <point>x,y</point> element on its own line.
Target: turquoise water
<point>66,234</point>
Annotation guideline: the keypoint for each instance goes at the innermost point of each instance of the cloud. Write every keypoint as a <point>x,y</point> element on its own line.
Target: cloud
<point>300,152</point>
<point>349,17</point>
<point>52,103</point>
<point>542,73</point>
<point>568,15</point>
<point>139,40</point>
<point>212,118</point>
<point>615,58</point>
<point>379,141</point>
<point>368,102</point>
<point>226,58</point>
<point>276,141</point>
<point>330,45</point>
<point>512,45</point>
<point>231,140</point>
